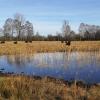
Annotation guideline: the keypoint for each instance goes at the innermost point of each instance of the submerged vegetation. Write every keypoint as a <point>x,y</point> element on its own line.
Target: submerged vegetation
<point>47,88</point>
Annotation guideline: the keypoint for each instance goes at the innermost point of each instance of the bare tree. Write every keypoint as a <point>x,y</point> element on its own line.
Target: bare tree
<point>18,22</point>
<point>1,34</point>
<point>23,33</point>
<point>29,30</point>
<point>88,31</point>
<point>66,29</point>
<point>8,28</point>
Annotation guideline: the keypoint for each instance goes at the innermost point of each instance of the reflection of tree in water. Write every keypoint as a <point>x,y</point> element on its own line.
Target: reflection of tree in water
<point>63,60</point>
<point>88,58</point>
<point>66,59</point>
<point>19,60</point>
<point>52,60</point>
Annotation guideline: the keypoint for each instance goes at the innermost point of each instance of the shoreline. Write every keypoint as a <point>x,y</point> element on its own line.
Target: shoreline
<point>21,87</point>
<point>66,82</point>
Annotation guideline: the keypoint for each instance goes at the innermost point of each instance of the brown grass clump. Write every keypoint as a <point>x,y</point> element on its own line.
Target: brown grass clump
<point>36,88</point>
<point>48,46</point>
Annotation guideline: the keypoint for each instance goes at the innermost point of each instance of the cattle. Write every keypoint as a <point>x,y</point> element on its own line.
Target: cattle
<point>2,42</point>
<point>68,43</point>
<point>15,42</point>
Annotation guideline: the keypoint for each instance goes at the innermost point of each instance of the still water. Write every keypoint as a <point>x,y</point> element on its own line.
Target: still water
<point>83,66</point>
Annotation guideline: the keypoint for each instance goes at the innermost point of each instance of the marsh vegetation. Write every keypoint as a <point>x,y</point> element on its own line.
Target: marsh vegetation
<point>65,66</point>
<point>55,76</point>
<point>48,46</point>
<point>36,88</point>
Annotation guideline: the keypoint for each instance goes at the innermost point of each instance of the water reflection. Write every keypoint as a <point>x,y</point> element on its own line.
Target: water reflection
<point>70,65</point>
<point>19,60</point>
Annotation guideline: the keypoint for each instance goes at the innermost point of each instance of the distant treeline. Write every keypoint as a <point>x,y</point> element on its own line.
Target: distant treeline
<point>18,29</point>
<point>76,37</point>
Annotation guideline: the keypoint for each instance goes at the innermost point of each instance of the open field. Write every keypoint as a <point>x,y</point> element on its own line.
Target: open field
<point>48,46</point>
<point>37,88</point>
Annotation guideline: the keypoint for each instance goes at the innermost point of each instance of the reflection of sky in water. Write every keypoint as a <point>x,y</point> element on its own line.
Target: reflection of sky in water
<point>70,65</point>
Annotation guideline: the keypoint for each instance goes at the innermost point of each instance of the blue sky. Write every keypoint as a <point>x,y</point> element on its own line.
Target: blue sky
<point>47,15</point>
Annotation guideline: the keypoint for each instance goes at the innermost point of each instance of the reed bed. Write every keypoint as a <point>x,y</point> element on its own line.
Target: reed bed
<point>48,46</point>
<point>36,88</point>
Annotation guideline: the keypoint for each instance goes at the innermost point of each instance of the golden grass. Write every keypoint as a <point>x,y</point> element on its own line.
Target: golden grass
<point>28,88</point>
<point>48,46</point>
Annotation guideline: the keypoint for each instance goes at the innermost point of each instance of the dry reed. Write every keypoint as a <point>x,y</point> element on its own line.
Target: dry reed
<point>48,46</point>
<point>36,88</point>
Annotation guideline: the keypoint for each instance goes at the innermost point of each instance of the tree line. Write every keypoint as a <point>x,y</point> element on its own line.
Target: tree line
<point>89,32</point>
<point>18,29</point>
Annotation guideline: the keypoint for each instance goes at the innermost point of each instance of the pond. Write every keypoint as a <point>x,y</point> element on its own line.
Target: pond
<point>84,66</point>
